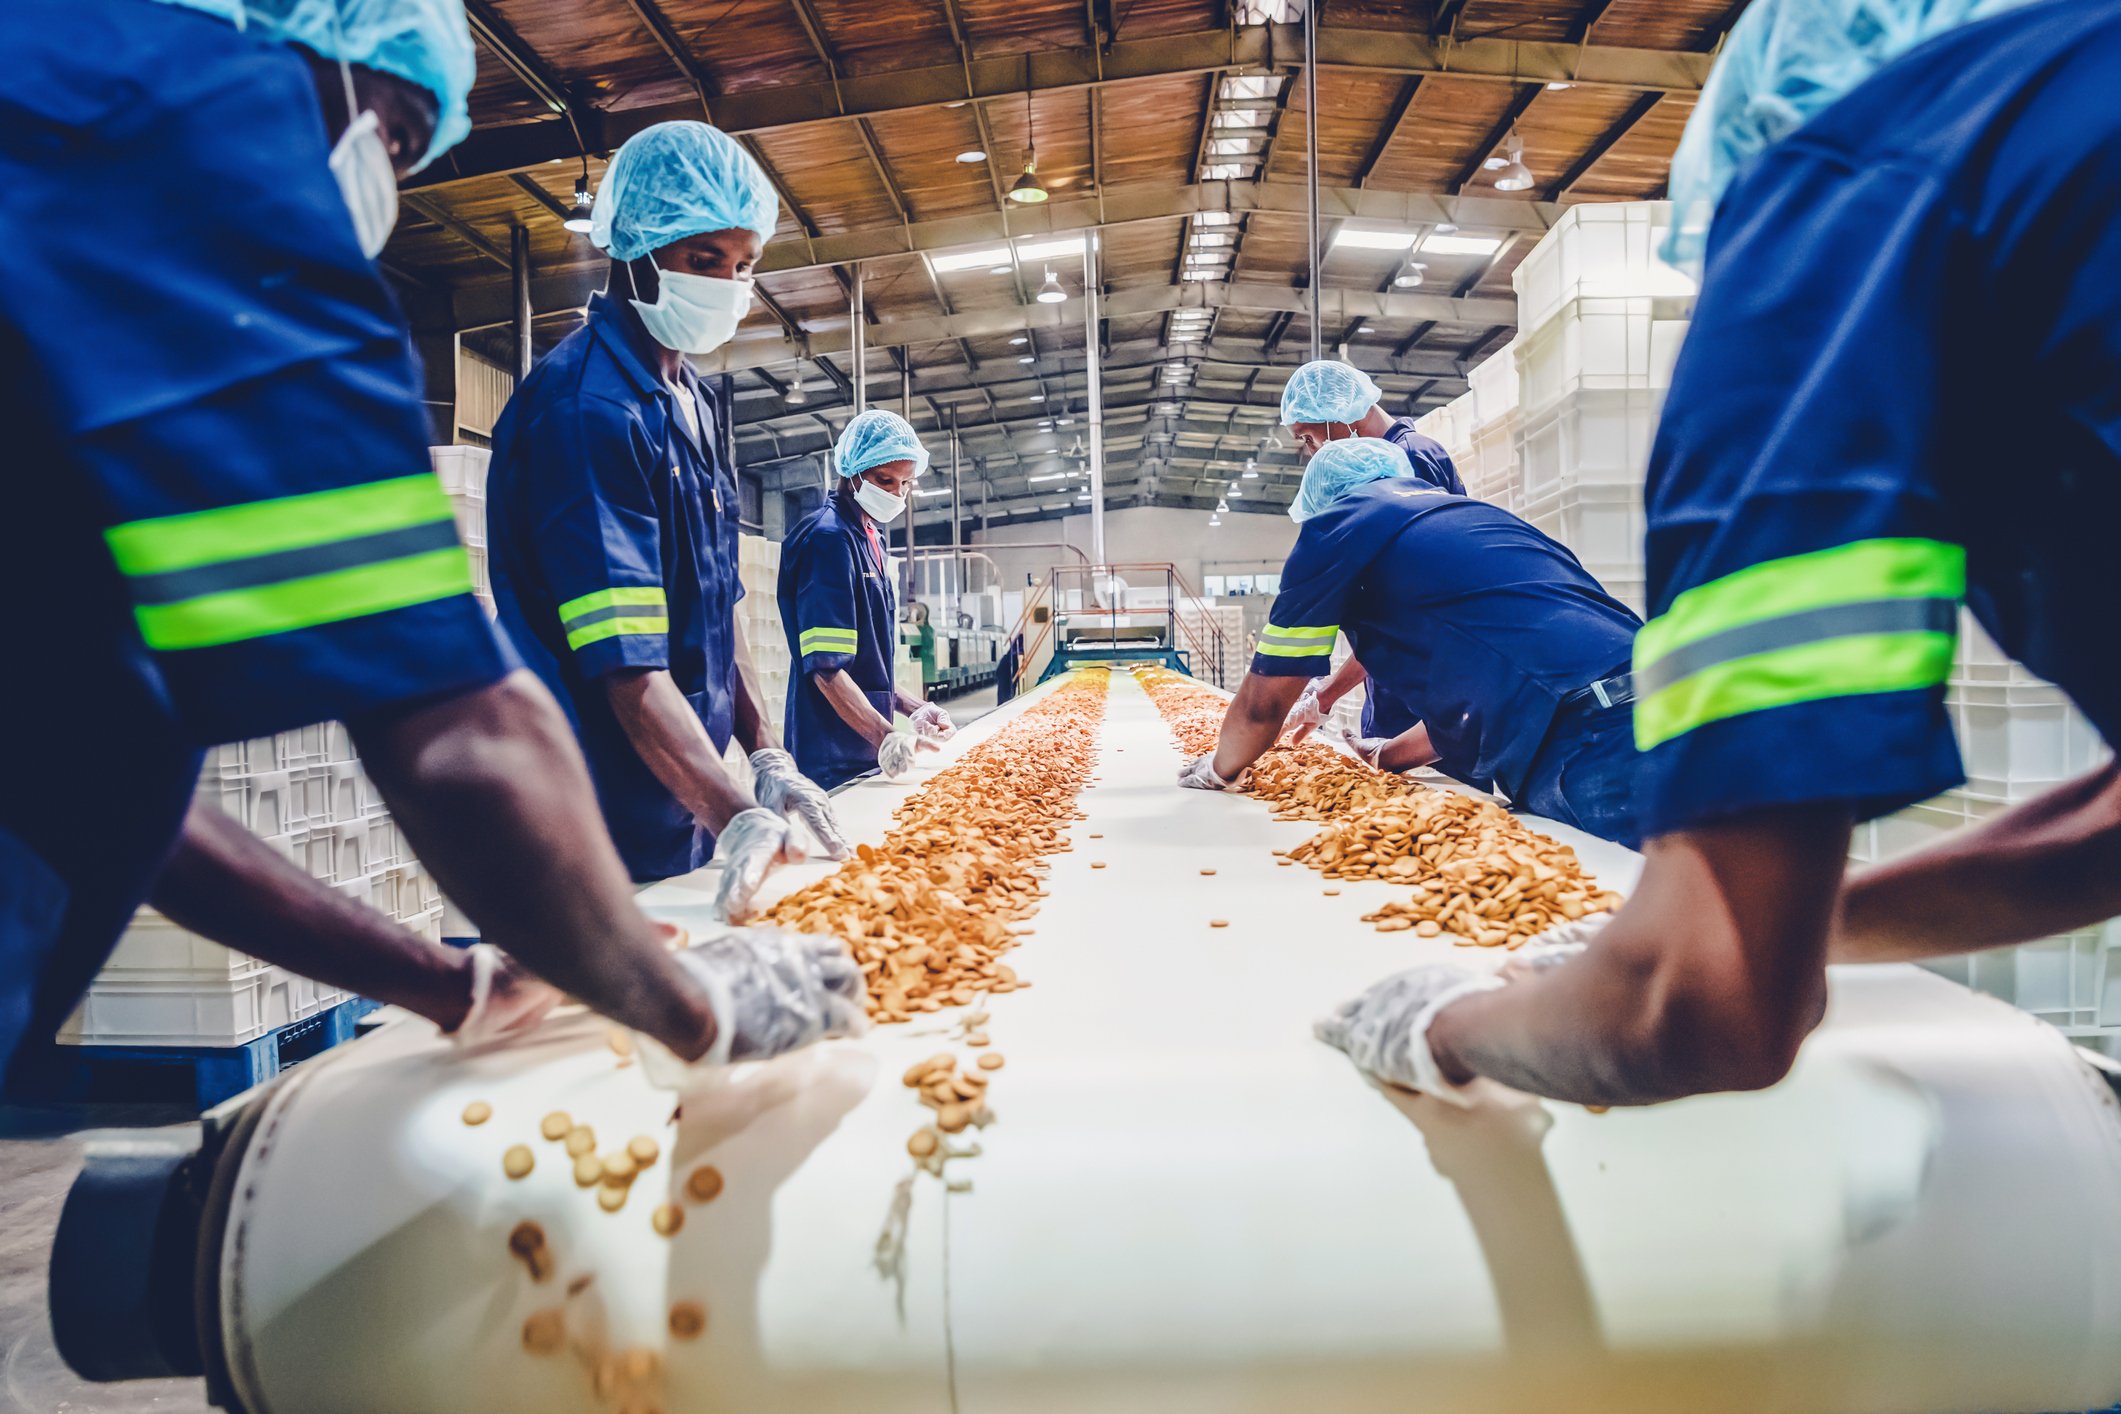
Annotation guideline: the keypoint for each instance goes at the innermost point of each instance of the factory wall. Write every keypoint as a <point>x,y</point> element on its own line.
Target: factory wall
<point>1143,535</point>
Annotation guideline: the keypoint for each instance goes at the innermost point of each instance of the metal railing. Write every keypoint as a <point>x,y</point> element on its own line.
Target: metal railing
<point>1181,620</point>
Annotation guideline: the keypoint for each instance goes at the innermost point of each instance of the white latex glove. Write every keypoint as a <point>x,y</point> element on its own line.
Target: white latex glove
<point>752,846</point>
<point>781,787</point>
<point>771,991</point>
<point>896,754</point>
<point>1369,748</point>
<point>1385,1031</point>
<point>1200,775</point>
<point>505,999</point>
<point>1554,947</point>
<point>932,723</point>
<point>1307,713</point>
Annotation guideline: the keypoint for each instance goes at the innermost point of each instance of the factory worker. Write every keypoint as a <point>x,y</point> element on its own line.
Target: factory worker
<point>612,525</point>
<point>233,530</point>
<point>1508,652</point>
<point>1326,400</point>
<point>1898,190</point>
<point>837,607</point>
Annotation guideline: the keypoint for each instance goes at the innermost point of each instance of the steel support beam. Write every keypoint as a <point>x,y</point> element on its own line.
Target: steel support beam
<point>1408,91</point>
<point>1622,126</point>
<point>1252,48</point>
<point>522,60</point>
<point>1495,135</point>
<point>433,211</point>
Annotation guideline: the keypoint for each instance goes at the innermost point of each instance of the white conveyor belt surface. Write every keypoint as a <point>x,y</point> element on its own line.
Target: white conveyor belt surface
<point>1188,1204</point>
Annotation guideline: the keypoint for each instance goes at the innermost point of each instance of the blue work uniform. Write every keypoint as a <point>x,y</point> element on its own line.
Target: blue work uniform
<point>225,524</point>
<point>1943,242</point>
<point>612,537</point>
<point>1426,455</point>
<point>1483,629</point>
<point>841,615</point>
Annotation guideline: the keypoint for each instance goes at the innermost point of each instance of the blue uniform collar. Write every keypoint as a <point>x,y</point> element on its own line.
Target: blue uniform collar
<point>636,355</point>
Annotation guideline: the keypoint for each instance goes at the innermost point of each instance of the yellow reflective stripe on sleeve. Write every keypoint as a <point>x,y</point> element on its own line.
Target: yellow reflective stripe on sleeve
<point>828,640</point>
<point>634,595</point>
<point>602,629</point>
<point>1278,642</point>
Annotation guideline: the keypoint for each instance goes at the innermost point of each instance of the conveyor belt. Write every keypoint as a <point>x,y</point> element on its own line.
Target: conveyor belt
<point>1186,1203</point>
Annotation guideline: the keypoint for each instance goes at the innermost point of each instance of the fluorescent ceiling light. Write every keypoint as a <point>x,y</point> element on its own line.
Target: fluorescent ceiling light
<point>1250,86</point>
<point>1494,164</point>
<point>1036,398</point>
<point>934,491</point>
<point>1203,275</point>
<point>1027,358</point>
<point>1047,250</point>
<point>1018,342</point>
<point>1238,118</point>
<point>1049,476</point>
<point>1558,86</point>
<point>1233,147</point>
<point>1214,218</point>
<point>970,259</point>
<point>1222,172</point>
<point>971,155</point>
<point>1365,328</point>
<point>1360,238</point>
<point>1441,244</point>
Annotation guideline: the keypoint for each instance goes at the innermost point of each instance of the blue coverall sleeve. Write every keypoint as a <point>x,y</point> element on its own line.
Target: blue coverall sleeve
<point>826,630</point>
<point>1805,574</point>
<point>596,533</point>
<point>1305,620</point>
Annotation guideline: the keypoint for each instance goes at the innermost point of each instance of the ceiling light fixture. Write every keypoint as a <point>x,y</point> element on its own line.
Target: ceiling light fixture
<point>1515,176</point>
<point>1028,190</point>
<point>1441,244</point>
<point>1221,506</point>
<point>1051,292</point>
<point>1018,342</point>
<point>971,155</point>
<point>1361,238</point>
<point>796,396</point>
<point>1413,275</point>
<point>1027,358</point>
<point>580,215</point>
<point>981,259</point>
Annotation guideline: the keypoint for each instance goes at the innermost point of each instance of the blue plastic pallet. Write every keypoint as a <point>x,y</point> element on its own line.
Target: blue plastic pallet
<point>217,1073</point>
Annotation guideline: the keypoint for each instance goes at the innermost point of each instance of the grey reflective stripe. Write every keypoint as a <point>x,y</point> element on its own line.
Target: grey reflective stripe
<point>1796,630</point>
<point>283,565</point>
<point>616,611</point>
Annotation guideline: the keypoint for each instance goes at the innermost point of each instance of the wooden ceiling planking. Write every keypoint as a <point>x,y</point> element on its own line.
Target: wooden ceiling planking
<point>1519,19</point>
<point>1144,253</point>
<point>811,297</point>
<point>1276,251</point>
<point>1406,16</point>
<point>1353,109</point>
<point>596,47</point>
<point>827,170</point>
<point>921,149</point>
<point>1016,26</point>
<point>745,44</point>
<point>498,98</point>
<point>1664,24</point>
<point>868,37</point>
<point>1450,118</point>
<point>1639,166</point>
<point>1060,122</point>
<point>1561,126</point>
<point>1151,130</point>
<point>1146,19</point>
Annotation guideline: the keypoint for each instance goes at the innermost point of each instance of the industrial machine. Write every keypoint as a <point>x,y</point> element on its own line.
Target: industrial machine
<point>1184,1202</point>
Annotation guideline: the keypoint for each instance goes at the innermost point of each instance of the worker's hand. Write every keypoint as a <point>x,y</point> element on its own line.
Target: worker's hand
<point>1306,714</point>
<point>1200,775</point>
<point>896,753</point>
<point>932,723</point>
<point>771,991</point>
<point>780,786</point>
<point>1554,947</point>
<point>505,999</point>
<point>1368,749</point>
<point>752,846</point>
<point>1385,1031</point>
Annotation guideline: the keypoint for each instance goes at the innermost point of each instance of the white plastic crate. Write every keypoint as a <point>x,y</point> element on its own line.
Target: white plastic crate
<point>2020,743</point>
<point>349,792</point>
<point>1600,345</point>
<point>480,584</point>
<point>470,511</point>
<point>1589,439</point>
<point>460,468</point>
<point>1493,384</point>
<point>1599,249</point>
<point>2072,982</point>
<point>1604,525</point>
<point>1491,472</point>
<point>154,948</point>
<point>189,1012</point>
<point>262,802</point>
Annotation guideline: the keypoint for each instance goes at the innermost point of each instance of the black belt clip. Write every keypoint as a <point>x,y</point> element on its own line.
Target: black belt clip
<point>1616,691</point>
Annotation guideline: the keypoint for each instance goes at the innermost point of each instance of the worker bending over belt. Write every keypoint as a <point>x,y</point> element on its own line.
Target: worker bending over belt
<point>1505,648</point>
<point>235,531</point>
<point>612,524</point>
<point>1325,401</point>
<point>837,608</point>
<point>1817,514</point>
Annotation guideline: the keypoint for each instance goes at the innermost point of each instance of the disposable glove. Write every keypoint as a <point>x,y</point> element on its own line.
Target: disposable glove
<point>932,723</point>
<point>752,846</point>
<point>1385,1031</point>
<point>1556,946</point>
<point>1306,714</point>
<point>505,999</point>
<point>1200,775</point>
<point>896,755</point>
<point>781,787</point>
<point>1369,748</point>
<point>771,991</point>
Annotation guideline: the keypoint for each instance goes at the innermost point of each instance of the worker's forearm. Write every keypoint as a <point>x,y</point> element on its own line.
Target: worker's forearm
<point>905,706</point>
<point>1340,682</point>
<point>225,883</point>
<point>1254,721</point>
<point>1708,980</point>
<point>853,708</point>
<point>753,725</point>
<point>2049,866</point>
<point>1411,748</point>
<point>495,797</point>
<point>667,735</point>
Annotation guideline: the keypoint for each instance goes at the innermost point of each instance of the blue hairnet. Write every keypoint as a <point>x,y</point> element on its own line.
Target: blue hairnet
<point>1325,390</point>
<point>676,180</point>
<point>1340,467</point>
<point>875,437</point>
<point>424,42</point>
<point>1787,61</point>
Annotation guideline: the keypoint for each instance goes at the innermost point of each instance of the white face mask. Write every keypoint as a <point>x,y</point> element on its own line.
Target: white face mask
<point>881,505</point>
<point>360,163</point>
<point>693,314</point>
